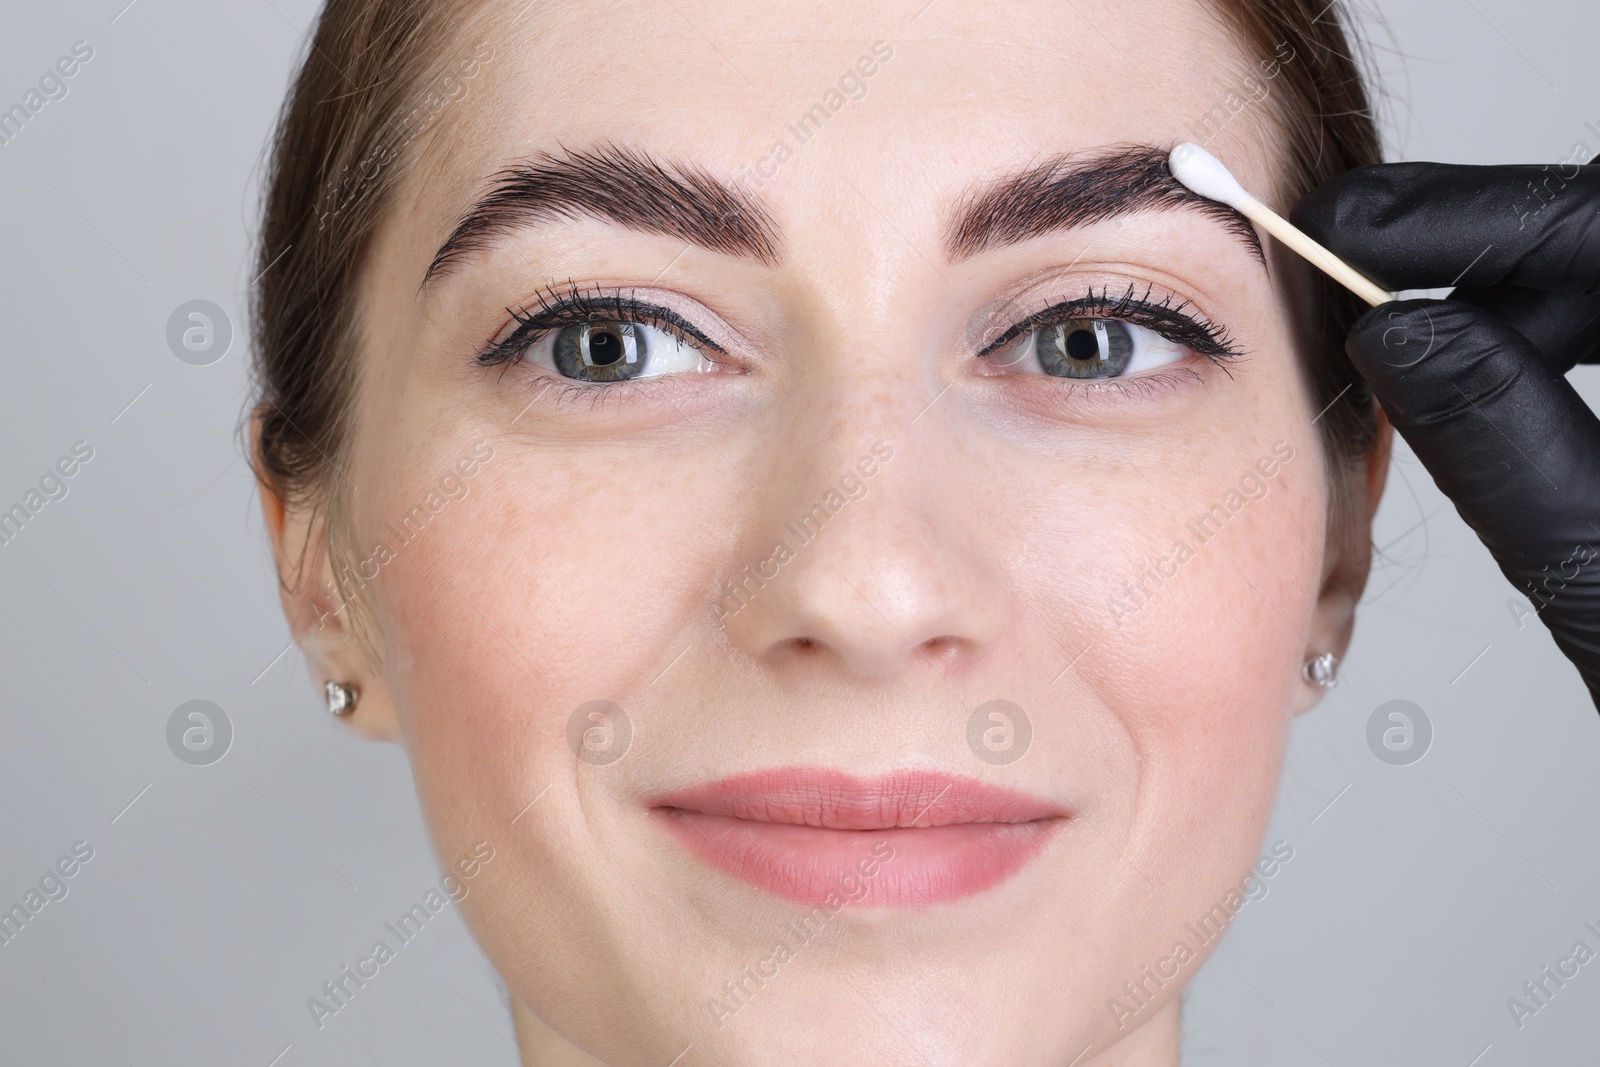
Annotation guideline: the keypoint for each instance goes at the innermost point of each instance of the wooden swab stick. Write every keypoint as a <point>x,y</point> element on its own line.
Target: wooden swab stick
<point>1203,173</point>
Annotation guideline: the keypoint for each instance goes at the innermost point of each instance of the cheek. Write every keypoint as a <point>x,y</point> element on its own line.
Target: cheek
<point>553,583</point>
<point>1189,591</point>
<point>1220,627</point>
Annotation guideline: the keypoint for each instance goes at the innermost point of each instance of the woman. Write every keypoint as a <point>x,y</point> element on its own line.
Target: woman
<point>823,510</point>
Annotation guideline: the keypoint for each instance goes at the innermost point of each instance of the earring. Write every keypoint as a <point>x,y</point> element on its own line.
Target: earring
<point>1322,670</point>
<point>341,698</point>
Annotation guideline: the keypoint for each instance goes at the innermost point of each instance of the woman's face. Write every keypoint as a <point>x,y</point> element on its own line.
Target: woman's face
<point>849,473</point>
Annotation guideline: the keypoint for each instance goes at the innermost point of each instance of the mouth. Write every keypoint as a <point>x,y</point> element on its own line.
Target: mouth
<point>908,838</point>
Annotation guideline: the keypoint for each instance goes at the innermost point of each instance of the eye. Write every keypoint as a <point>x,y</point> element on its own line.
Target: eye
<point>612,350</point>
<point>1089,348</point>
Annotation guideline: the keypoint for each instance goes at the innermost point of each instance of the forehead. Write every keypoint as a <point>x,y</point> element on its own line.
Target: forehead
<point>773,90</point>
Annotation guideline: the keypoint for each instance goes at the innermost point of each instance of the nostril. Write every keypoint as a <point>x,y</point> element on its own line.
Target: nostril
<point>940,647</point>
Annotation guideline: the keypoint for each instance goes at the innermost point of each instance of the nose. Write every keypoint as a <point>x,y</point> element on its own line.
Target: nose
<point>869,562</point>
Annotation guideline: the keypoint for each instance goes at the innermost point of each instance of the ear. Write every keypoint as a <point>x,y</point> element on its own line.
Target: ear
<point>1347,561</point>
<point>319,608</point>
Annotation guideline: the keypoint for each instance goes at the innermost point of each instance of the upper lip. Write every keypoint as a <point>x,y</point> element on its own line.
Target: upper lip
<point>832,799</point>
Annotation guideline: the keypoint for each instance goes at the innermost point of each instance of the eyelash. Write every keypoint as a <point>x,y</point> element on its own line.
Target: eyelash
<point>577,307</point>
<point>1165,316</point>
<point>573,306</point>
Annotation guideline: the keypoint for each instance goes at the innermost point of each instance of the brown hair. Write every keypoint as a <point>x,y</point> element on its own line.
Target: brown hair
<point>1323,109</point>
<point>368,87</point>
<point>372,83</point>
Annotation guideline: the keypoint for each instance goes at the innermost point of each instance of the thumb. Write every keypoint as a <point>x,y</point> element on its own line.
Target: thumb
<point>1509,441</point>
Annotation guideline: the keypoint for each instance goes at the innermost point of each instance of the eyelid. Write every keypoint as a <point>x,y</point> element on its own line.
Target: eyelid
<point>574,306</point>
<point>1194,331</point>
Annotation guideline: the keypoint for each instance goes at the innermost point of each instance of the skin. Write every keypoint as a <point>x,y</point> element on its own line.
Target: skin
<point>981,562</point>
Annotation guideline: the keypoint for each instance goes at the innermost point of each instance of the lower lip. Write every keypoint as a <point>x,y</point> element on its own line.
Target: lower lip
<point>902,867</point>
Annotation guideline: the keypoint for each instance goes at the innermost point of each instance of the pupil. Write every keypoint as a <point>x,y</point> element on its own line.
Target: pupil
<point>1081,344</point>
<point>605,348</point>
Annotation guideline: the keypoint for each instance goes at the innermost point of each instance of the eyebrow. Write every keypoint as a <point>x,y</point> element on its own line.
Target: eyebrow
<point>635,190</point>
<point>620,185</point>
<point>1068,191</point>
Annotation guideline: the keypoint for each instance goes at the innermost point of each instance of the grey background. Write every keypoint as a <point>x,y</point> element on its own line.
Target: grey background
<point>1419,898</point>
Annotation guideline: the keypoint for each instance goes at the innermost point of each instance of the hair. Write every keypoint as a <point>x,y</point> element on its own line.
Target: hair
<point>1323,109</point>
<point>370,86</point>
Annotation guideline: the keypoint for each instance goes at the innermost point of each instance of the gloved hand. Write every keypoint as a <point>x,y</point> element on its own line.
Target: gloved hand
<point>1475,384</point>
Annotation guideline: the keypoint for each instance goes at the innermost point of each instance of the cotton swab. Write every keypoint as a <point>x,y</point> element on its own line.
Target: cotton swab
<point>1203,173</point>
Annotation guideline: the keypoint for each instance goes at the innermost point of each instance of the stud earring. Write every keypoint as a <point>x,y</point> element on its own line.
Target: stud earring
<point>1322,670</point>
<point>341,698</point>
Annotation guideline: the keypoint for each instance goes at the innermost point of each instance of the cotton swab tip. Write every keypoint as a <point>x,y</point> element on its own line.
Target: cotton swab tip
<point>1203,173</point>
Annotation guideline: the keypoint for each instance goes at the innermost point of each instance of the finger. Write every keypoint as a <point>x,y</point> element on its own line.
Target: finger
<point>1565,327</point>
<point>1433,225</point>
<point>1510,443</point>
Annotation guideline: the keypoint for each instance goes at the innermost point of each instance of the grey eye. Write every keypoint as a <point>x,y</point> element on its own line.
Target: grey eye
<point>1091,348</point>
<point>1084,348</point>
<point>613,351</point>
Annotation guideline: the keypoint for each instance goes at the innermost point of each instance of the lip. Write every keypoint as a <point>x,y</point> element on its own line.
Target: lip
<point>814,835</point>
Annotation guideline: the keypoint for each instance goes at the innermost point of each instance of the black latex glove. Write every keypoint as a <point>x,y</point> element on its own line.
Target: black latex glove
<point>1475,384</point>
